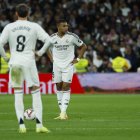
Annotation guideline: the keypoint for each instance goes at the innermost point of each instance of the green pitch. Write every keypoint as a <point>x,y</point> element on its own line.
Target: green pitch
<point>91,117</point>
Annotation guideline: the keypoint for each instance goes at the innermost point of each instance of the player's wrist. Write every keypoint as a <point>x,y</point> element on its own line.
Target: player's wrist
<point>38,53</point>
<point>78,59</point>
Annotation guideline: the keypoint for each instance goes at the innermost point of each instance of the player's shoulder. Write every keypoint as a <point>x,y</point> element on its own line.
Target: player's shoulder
<point>29,23</point>
<point>33,24</point>
<point>72,34</point>
<point>53,35</point>
<point>9,25</point>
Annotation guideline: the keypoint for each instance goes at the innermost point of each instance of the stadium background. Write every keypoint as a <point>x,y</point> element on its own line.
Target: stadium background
<point>110,28</point>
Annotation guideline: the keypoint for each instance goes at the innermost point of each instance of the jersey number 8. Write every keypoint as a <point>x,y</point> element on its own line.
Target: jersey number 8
<point>20,40</point>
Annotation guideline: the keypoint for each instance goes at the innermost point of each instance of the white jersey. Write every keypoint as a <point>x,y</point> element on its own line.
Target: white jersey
<point>22,36</point>
<point>63,48</point>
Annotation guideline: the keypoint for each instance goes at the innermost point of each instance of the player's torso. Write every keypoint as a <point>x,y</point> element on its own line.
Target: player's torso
<point>63,49</point>
<point>62,45</point>
<point>22,40</point>
<point>22,36</point>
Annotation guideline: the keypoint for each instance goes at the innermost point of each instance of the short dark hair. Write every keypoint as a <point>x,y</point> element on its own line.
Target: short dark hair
<point>60,21</point>
<point>22,10</point>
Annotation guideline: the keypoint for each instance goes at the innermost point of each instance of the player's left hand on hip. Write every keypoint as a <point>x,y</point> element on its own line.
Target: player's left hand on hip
<point>37,56</point>
<point>36,53</point>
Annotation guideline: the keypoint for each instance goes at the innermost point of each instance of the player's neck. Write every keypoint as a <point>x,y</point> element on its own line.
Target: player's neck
<point>20,18</point>
<point>60,34</point>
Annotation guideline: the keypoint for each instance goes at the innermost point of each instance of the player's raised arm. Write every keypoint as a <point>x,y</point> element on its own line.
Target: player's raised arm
<point>3,41</point>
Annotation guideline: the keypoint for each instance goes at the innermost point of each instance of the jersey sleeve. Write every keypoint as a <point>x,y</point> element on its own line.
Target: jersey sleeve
<point>77,41</point>
<point>42,35</point>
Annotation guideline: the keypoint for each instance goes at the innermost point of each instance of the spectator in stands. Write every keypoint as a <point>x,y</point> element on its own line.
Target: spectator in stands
<point>120,64</point>
<point>4,65</point>
<point>44,65</point>
<point>104,22</point>
<point>131,56</point>
<point>106,65</point>
<point>81,66</point>
<point>114,51</point>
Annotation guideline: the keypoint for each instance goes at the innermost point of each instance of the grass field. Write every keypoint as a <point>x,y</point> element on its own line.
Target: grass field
<point>91,117</point>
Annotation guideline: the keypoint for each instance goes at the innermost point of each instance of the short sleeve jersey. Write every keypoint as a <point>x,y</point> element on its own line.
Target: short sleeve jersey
<point>64,47</point>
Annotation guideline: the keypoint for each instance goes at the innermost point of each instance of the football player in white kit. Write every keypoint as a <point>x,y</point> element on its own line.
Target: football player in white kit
<point>63,59</point>
<point>22,36</point>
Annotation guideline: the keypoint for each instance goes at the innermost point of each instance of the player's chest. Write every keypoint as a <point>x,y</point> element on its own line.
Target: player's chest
<point>62,44</point>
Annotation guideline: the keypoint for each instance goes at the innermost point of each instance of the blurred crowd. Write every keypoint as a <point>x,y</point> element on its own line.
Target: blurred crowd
<point>110,29</point>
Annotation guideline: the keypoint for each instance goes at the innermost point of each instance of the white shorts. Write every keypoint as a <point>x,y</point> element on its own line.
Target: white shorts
<point>62,74</point>
<point>19,73</point>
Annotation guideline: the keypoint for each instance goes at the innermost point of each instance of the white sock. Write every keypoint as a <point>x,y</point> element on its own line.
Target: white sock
<point>65,100</point>
<point>19,107</point>
<point>59,98</point>
<point>37,106</point>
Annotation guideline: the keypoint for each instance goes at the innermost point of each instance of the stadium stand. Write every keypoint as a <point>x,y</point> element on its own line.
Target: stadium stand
<point>109,28</point>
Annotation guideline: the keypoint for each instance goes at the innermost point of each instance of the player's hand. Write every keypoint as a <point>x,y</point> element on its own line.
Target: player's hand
<point>37,55</point>
<point>74,61</point>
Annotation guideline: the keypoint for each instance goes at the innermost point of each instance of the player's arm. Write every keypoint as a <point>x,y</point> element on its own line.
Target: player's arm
<point>44,37</point>
<point>3,41</point>
<point>49,53</point>
<point>78,42</point>
<point>82,51</point>
<point>44,49</point>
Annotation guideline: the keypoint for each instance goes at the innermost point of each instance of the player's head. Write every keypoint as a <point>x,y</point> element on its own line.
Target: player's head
<point>22,10</point>
<point>62,26</point>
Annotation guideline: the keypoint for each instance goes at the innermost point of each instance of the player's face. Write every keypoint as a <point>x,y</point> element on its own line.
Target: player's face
<point>63,27</point>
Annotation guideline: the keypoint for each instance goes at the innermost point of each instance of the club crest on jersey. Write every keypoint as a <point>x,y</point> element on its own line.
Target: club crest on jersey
<point>79,40</point>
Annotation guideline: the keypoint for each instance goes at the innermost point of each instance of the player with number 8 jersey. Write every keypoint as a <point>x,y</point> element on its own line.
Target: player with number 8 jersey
<point>22,36</point>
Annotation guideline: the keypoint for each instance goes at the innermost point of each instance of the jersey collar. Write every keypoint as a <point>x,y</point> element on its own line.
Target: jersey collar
<point>60,36</point>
